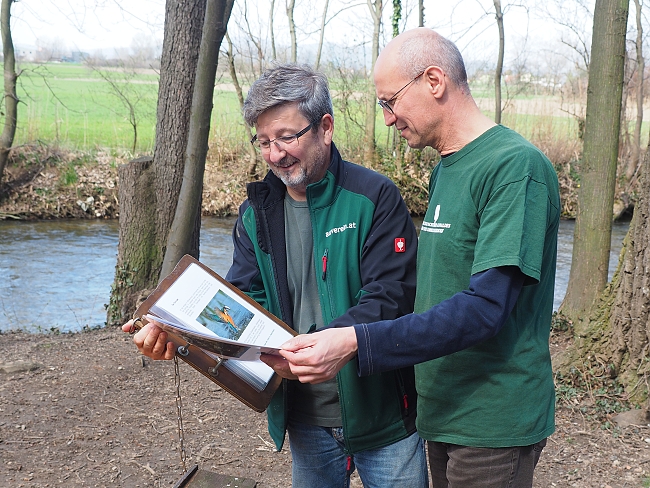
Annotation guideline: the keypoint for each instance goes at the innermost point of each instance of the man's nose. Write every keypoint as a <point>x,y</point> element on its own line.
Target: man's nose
<point>389,118</point>
<point>276,153</point>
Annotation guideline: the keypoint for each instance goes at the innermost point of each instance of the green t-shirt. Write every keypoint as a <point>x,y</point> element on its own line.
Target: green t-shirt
<point>493,203</point>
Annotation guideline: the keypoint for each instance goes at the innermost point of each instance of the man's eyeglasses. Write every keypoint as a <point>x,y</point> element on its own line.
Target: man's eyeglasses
<point>279,141</point>
<point>385,104</point>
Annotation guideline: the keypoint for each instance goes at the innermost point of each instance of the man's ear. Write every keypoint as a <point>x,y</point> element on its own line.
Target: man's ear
<point>435,77</point>
<point>327,126</point>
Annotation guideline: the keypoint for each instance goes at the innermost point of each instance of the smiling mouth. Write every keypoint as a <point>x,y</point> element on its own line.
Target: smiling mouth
<point>285,163</point>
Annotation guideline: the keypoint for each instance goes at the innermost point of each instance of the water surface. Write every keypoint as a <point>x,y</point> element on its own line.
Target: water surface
<point>56,275</point>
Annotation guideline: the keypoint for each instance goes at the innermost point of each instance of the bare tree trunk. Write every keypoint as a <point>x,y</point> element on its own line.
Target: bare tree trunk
<point>499,69</point>
<point>593,228</point>
<point>10,76</point>
<point>136,238</point>
<point>292,30</point>
<point>640,70</point>
<point>188,211</point>
<point>420,13</point>
<point>375,7</point>
<point>157,199</point>
<point>272,32</point>
<point>322,34</point>
<point>252,168</point>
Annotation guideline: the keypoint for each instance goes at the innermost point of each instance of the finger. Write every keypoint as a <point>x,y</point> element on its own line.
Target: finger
<point>279,365</point>
<point>128,326</point>
<point>170,352</point>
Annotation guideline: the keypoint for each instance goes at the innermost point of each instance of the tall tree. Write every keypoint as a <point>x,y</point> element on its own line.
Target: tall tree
<point>149,187</point>
<point>376,7</point>
<point>272,31</point>
<point>323,22</point>
<point>10,76</point>
<point>230,54</point>
<point>397,16</point>
<point>499,69</point>
<point>420,13</point>
<point>187,218</point>
<point>640,70</point>
<point>593,228</point>
<point>292,30</point>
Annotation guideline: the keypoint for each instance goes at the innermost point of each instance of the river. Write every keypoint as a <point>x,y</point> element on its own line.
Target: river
<point>56,275</point>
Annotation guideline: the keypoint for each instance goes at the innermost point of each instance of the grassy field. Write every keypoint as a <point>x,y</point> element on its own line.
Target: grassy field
<point>79,108</point>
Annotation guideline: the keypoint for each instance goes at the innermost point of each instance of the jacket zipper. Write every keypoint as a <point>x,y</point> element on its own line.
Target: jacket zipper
<point>324,259</point>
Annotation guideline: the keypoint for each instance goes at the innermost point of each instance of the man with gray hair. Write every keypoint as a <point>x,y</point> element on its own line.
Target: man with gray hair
<point>324,243</point>
<point>486,271</point>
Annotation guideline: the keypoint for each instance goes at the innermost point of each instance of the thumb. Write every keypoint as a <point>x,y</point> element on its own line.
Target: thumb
<point>301,341</point>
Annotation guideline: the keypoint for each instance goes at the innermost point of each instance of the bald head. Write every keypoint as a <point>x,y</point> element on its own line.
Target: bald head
<point>414,50</point>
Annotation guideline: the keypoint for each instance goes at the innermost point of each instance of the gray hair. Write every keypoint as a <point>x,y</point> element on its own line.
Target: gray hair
<point>289,83</point>
<point>417,53</point>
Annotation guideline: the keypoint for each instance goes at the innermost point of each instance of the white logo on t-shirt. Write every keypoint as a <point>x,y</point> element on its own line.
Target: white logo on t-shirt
<point>434,226</point>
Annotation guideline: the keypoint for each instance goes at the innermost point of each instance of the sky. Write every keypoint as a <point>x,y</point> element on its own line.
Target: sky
<point>86,25</point>
<point>93,25</point>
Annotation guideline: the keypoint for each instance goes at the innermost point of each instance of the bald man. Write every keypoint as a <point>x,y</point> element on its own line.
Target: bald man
<point>485,280</point>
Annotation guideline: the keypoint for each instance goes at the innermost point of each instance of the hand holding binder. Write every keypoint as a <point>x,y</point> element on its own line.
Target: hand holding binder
<point>216,329</point>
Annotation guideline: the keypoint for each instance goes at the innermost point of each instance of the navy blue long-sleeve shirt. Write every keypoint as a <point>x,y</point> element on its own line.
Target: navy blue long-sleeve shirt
<point>463,320</point>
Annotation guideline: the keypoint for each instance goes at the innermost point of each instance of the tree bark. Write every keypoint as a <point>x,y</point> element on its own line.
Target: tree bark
<point>420,13</point>
<point>616,338</point>
<point>10,76</point>
<point>182,38</point>
<point>592,235</point>
<point>183,237</point>
<point>499,69</point>
<point>375,7</point>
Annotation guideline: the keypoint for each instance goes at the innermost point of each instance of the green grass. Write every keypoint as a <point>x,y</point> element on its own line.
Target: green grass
<point>73,106</point>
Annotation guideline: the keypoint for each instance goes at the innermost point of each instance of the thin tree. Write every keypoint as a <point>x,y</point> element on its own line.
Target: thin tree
<point>593,227</point>
<point>292,30</point>
<point>499,69</point>
<point>187,218</point>
<point>10,77</point>
<point>271,31</point>
<point>640,70</point>
<point>420,13</point>
<point>376,7</point>
<point>252,168</point>
<point>321,36</point>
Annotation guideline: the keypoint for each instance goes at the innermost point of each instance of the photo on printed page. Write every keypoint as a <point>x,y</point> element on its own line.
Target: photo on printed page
<point>225,317</point>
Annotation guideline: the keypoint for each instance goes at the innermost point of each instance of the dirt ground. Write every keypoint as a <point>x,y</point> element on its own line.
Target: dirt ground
<point>93,412</point>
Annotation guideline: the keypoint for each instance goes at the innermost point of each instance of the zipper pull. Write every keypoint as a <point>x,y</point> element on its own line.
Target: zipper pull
<point>406,403</point>
<point>325,263</point>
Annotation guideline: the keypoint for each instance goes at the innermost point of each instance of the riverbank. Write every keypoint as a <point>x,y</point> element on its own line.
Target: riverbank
<point>86,409</point>
<point>47,182</point>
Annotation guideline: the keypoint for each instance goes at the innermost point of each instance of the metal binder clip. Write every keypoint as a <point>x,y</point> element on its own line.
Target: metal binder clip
<point>184,350</point>
<point>214,370</point>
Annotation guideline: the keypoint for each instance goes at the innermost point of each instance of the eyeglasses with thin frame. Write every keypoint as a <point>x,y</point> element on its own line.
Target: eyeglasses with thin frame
<point>385,104</point>
<point>281,141</point>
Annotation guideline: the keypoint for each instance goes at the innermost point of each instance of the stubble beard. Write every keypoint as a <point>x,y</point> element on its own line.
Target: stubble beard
<point>303,174</point>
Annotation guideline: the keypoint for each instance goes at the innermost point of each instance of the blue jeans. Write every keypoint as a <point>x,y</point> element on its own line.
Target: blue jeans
<point>319,460</point>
